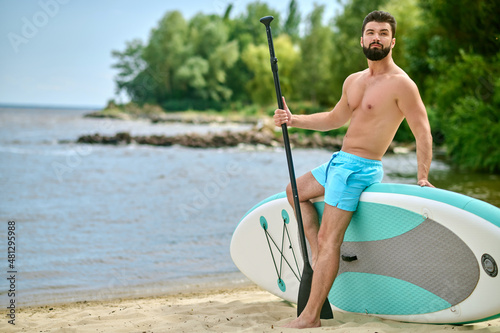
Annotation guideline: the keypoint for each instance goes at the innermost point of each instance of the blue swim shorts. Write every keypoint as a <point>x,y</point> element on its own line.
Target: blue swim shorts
<point>345,176</point>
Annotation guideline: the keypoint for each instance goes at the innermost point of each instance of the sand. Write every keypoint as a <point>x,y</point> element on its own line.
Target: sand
<point>242,309</point>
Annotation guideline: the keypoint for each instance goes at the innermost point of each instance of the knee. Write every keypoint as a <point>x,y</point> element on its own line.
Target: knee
<point>330,240</point>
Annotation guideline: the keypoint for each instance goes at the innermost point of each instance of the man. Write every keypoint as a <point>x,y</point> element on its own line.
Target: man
<point>375,101</point>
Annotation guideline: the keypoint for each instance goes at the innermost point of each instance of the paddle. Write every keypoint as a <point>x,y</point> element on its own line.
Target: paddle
<point>307,273</point>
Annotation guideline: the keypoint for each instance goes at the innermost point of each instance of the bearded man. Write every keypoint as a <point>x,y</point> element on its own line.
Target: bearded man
<point>375,101</point>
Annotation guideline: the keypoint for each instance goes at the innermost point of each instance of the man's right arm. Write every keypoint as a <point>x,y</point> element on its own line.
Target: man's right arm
<point>322,121</point>
<point>411,105</point>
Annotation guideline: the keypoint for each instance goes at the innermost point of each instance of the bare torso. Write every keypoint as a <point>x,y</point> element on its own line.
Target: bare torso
<point>375,113</point>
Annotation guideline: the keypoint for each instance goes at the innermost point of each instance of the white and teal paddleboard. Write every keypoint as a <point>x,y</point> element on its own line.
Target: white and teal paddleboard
<point>410,254</point>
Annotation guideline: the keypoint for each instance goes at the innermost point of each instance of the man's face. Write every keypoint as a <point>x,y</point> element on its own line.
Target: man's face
<point>377,40</point>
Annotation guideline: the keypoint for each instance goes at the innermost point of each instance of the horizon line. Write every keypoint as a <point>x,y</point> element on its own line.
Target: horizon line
<point>49,106</point>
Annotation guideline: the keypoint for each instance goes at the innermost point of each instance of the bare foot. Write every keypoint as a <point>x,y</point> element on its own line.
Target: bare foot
<point>302,323</point>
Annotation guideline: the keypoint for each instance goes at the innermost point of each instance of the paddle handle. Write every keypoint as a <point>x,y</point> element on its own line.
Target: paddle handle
<point>274,66</point>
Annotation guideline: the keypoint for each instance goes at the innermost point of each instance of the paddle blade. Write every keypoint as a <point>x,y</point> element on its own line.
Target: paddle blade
<point>305,291</point>
<point>326,310</point>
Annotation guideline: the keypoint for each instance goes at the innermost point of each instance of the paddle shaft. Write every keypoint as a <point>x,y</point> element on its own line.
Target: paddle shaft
<point>306,279</point>
<point>274,66</point>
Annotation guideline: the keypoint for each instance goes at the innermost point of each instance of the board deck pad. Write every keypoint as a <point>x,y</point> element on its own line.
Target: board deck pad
<point>411,254</point>
<point>427,266</point>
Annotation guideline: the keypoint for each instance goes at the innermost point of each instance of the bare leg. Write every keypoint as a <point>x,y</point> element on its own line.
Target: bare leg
<point>308,188</point>
<point>330,238</point>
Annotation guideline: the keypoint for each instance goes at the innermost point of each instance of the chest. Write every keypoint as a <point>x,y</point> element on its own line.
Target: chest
<point>372,95</point>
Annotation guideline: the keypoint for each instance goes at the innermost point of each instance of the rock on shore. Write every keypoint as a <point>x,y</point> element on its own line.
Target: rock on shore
<point>264,137</point>
<point>263,134</point>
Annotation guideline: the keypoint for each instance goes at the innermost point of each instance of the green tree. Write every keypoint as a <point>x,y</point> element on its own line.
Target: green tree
<point>129,64</point>
<point>247,29</point>
<point>467,96</point>
<point>454,55</point>
<point>473,25</point>
<point>292,23</point>
<point>256,58</point>
<point>182,61</point>
<point>165,53</point>
<point>211,54</point>
<point>316,46</point>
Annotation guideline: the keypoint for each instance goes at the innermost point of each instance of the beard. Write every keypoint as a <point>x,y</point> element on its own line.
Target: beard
<point>376,54</point>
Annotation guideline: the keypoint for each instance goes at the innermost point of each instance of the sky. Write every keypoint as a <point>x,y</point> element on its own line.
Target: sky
<point>58,52</point>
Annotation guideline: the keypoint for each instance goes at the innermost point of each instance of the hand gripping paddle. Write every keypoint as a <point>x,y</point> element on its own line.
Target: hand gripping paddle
<point>307,273</point>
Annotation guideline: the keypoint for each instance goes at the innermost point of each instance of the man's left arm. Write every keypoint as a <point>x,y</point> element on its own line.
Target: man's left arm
<point>410,103</point>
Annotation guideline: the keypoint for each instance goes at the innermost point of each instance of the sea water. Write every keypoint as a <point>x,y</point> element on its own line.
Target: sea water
<point>96,222</point>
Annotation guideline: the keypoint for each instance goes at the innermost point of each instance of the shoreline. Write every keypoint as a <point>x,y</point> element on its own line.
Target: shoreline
<point>264,137</point>
<point>124,290</point>
<point>156,115</point>
<point>217,309</point>
<point>263,133</point>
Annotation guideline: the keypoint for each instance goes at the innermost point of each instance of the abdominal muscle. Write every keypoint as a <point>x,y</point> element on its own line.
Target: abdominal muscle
<point>369,138</point>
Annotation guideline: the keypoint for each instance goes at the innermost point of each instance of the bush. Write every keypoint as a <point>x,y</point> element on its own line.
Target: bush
<point>472,135</point>
<point>467,96</point>
<point>192,104</point>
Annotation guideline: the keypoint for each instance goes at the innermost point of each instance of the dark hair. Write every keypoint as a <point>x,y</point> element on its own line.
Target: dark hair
<point>380,16</point>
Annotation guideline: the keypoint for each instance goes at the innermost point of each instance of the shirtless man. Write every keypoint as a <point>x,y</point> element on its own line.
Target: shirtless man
<point>375,101</point>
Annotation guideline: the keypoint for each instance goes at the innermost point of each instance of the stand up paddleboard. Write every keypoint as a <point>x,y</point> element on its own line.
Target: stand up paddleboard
<point>410,253</point>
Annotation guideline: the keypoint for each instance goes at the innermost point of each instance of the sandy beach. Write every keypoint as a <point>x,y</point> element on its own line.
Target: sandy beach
<point>242,309</point>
